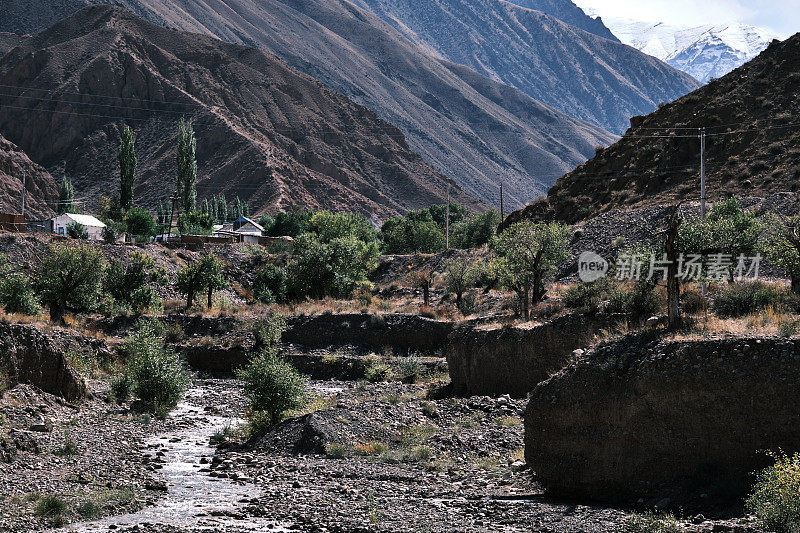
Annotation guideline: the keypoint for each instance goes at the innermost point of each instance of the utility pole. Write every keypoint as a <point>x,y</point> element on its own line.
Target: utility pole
<point>24,185</point>
<point>703,173</point>
<point>703,287</point>
<point>174,200</point>
<point>502,212</point>
<point>447,221</point>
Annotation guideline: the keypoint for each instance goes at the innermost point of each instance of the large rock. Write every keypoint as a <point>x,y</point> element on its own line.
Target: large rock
<point>640,417</point>
<point>29,356</point>
<point>513,360</point>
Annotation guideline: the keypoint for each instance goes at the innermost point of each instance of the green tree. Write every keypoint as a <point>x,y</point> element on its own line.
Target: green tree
<point>139,221</point>
<point>329,226</point>
<point>213,279</point>
<point>270,284</point>
<point>131,281</point>
<point>66,198</point>
<point>728,229</point>
<point>459,275</point>
<point>415,233</point>
<point>439,214</point>
<point>475,231</point>
<point>76,230</point>
<point>204,275</point>
<point>222,208</point>
<point>187,166</point>
<point>16,290</point>
<point>329,269</point>
<point>195,223</point>
<point>781,246</point>
<point>528,253</point>
<point>69,279</point>
<point>291,223</point>
<point>127,168</point>
<point>190,282</point>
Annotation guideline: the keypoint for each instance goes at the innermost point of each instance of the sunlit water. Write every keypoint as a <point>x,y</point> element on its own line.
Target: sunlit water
<point>192,496</point>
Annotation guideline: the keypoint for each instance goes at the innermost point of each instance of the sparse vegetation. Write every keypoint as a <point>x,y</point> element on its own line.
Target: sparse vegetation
<point>775,499</point>
<point>653,522</point>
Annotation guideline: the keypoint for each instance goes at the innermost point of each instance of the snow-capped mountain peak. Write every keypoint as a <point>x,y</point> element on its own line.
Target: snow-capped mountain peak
<point>705,52</point>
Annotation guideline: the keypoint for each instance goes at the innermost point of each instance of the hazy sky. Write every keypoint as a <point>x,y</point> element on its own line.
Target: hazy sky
<point>782,16</point>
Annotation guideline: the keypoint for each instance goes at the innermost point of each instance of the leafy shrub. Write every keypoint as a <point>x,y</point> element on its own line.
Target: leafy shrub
<point>693,302</point>
<point>378,372</point>
<point>85,363</point>
<point>775,499</point>
<point>586,295</point>
<point>77,230</point>
<point>272,385</point>
<point>268,332</point>
<point>336,449</point>
<point>130,281</point>
<point>157,374</point>
<point>740,299</point>
<point>652,522</point>
<point>270,284</point>
<point>410,369</point>
<point>89,510</point>
<point>50,506</point>
<point>787,329</point>
<point>121,388</point>
<point>638,302</point>
<point>17,295</point>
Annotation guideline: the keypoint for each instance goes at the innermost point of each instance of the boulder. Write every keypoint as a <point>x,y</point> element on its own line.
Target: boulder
<point>512,360</point>
<point>29,356</point>
<point>640,417</point>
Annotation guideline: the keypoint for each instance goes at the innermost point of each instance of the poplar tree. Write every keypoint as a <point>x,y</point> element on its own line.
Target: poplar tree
<point>127,168</point>
<point>187,166</point>
<point>66,197</point>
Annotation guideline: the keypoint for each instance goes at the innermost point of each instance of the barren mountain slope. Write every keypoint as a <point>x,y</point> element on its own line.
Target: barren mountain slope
<point>478,142</point>
<point>752,145</point>
<point>567,11</point>
<point>583,75</point>
<point>42,190</point>
<point>265,132</point>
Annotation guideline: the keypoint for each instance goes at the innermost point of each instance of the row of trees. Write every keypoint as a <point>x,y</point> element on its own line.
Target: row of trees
<point>76,278</point>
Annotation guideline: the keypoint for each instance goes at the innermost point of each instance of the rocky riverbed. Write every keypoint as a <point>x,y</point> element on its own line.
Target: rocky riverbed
<point>382,457</point>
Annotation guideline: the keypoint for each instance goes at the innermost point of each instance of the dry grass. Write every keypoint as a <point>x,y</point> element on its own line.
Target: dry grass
<point>767,323</point>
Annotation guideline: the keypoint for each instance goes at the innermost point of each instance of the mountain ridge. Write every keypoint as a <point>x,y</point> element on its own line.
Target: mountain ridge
<point>752,145</point>
<point>266,132</point>
<point>705,52</point>
<point>592,78</point>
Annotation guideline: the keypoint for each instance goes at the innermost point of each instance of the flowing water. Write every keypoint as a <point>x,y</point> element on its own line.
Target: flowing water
<point>193,499</point>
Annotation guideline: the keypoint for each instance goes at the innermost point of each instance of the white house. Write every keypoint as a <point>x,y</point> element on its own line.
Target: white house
<point>246,229</point>
<point>93,226</point>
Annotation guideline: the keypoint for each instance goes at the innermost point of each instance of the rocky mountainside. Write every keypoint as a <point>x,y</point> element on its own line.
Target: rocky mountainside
<point>752,145</point>
<point>265,131</point>
<point>477,131</point>
<point>567,11</point>
<point>583,75</point>
<point>42,189</point>
<point>705,52</point>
